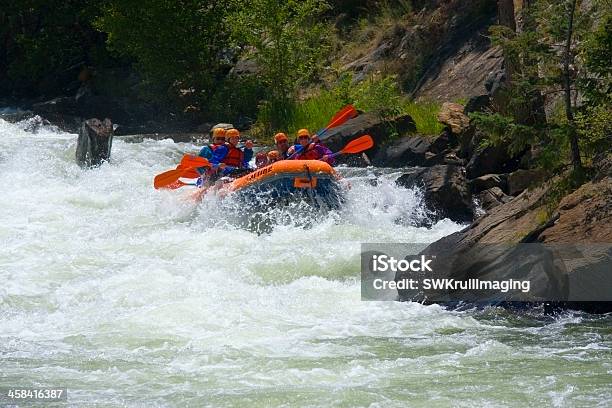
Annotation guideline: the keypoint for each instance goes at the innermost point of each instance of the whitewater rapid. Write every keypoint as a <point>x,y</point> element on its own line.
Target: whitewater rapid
<point>130,296</point>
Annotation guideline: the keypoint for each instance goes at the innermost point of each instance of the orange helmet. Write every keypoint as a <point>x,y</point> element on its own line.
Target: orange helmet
<point>232,133</point>
<point>303,132</point>
<point>218,132</point>
<point>279,137</point>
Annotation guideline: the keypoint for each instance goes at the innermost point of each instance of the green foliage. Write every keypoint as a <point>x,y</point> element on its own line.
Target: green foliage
<point>377,95</point>
<point>535,58</point>
<point>287,39</point>
<point>177,45</point>
<point>45,43</point>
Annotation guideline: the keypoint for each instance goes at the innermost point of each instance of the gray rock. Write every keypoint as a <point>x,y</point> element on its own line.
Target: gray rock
<point>405,152</point>
<point>492,197</point>
<point>522,179</point>
<point>446,191</point>
<point>367,124</point>
<point>488,181</point>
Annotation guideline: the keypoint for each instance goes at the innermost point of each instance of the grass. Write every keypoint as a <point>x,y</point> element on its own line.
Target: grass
<point>381,96</point>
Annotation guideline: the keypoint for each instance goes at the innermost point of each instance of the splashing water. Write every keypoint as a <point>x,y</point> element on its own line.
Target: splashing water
<point>134,297</point>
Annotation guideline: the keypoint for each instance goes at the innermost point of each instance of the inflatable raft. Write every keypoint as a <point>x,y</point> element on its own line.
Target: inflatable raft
<point>283,181</point>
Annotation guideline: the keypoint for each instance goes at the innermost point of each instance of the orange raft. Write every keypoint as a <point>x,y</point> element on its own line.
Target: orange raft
<point>286,179</point>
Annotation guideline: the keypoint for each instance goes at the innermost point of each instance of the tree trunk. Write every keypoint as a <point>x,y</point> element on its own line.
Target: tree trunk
<point>505,14</point>
<point>567,84</point>
<point>94,142</point>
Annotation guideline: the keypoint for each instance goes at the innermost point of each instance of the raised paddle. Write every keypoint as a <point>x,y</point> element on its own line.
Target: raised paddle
<point>344,114</point>
<point>358,145</point>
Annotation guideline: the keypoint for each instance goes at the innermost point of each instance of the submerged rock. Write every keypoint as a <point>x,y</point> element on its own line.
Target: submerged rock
<point>94,142</point>
<point>446,191</point>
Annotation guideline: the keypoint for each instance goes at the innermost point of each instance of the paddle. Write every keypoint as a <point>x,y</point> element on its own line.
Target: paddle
<point>344,114</point>
<point>189,160</point>
<point>171,176</point>
<point>358,145</point>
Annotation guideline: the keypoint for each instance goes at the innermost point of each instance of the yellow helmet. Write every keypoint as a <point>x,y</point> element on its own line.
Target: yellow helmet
<point>303,132</point>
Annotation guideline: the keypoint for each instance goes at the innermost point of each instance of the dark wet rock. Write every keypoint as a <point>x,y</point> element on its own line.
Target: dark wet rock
<point>94,142</point>
<point>405,152</point>
<point>492,197</point>
<point>445,141</point>
<point>479,103</point>
<point>488,181</point>
<point>446,190</point>
<point>522,179</point>
<point>368,124</point>
<point>491,159</point>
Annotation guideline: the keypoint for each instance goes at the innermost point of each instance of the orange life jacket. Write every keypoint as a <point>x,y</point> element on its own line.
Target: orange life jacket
<point>234,157</point>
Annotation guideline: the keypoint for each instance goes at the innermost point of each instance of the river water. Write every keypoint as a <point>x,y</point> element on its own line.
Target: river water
<point>130,296</point>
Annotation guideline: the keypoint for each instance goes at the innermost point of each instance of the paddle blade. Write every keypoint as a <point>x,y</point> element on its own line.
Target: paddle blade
<point>349,113</point>
<point>342,112</point>
<point>166,178</point>
<point>190,160</point>
<point>190,173</point>
<point>358,145</point>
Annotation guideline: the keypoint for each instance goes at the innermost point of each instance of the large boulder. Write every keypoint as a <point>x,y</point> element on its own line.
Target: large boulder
<point>521,179</point>
<point>445,189</point>
<point>370,124</point>
<point>408,151</point>
<point>492,197</point>
<point>571,270</point>
<point>451,114</point>
<point>488,181</point>
<point>491,159</point>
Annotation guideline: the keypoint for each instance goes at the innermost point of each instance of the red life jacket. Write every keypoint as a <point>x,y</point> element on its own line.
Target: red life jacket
<point>309,153</point>
<point>234,157</point>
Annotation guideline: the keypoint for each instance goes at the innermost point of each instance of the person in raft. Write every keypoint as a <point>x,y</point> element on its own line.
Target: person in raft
<point>226,156</point>
<point>282,145</point>
<point>306,149</point>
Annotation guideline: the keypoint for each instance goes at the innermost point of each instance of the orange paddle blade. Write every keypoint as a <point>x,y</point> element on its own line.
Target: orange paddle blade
<point>349,113</point>
<point>190,173</point>
<point>166,178</point>
<point>358,145</point>
<point>190,160</point>
<point>342,112</point>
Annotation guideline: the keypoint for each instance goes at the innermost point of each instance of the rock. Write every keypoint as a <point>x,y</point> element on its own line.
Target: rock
<point>572,265</point>
<point>521,179</point>
<point>225,126</point>
<point>492,197</point>
<point>370,124</point>
<point>491,159</point>
<point>478,103</point>
<point>446,191</point>
<point>451,114</point>
<point>584,215</point>
<point>408,151</point>
<point>94,142</point>
<point>447,140</point>
<point>488,181</point>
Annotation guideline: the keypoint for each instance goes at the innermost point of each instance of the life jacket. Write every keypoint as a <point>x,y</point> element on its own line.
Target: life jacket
<point>309,153</point>
<point>234,157</point>
<point>214,147</point>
